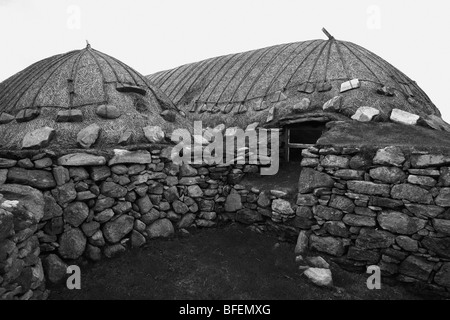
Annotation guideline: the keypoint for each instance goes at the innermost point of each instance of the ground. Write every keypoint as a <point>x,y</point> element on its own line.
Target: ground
<point>231,262</point>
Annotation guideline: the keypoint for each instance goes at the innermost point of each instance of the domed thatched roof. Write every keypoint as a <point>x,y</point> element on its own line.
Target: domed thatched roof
<point>69,92</point>
<point>241,88</point>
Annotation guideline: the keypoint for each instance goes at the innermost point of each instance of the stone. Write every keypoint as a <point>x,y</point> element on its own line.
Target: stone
<point>189,181</point>
<point>411,193</point>
<point>333,104</point>
<point>429,160</point>
<point>150,217</point>
<point>51,208</point>
<point>332,161</point>
<point>233,202</point>
<point>76,213</point>
<point>180,207</point>
<point>358,254</point>
<point>88,136</point>
<point>302,243</point>
<point>320,277</point>
<point>327,213</point>
<point>370,188</point>
<point>317,262</point>
<point>187,170</point>
<point>61,175</point>
<point>374,239</point>
<point>311,179</point>
<point>43,163</point>
<point>443,199</point>
<point>359,221</point>
<point>386,203</point>
<point>55,269</point>
<point>407,244</point>
<point>108,111</point>
<point>330,245</point>
<point>422,180</point>
<point>71,115</point>
<point>126,138</point>
<point>30,199</point>
<point>390,156</point>
<point>186,221</point>
<point>7,163</point>
<point>302,106</point>
<point>6,224</point>
<point>349,174</point>
<point>104,215</point>
<point>309,162</point>
<point>248,216</point>
<point>137,239</point>
<point>365,114</point>
<point>162,228</point>
<point>423,211</point>
<point>264,200</point>
<point>154,134</point>
<point>114,250</point>
<point>400,223</point>
<point>99,173</point>
<point>103,204</point>
<point>277,193</point>
<point>81,160</point>
<point>3,175</point>
<point>403,117</point>
<point>113,190</point>
<point>116,230</point>
<point>169,115</point>
<point>282,207</point>
<point>195,191</point>
<point>144,204</point>
<point>416,267</point>
<point>444,179</point>
<point>342,203</point>
<point>171,194</point>
<point>442,226</point>
<point>306,200</point>
<point>131,157</point>
<point>93,253</point>
<point>388,174</point>
<point>65,194</point>
<point>39,138</point>
<point>442,277</point>
<point>350,85</point>
<point>337,229</point>
<point>85,195</point>
<point>39,179</point>
<point>441,246</point>
<point>72,244</point>
<point>90,228</point>
<point>270,114</point>
<point>6,118</point>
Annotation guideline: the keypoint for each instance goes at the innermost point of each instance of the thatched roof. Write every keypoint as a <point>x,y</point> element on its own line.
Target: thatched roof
<point>241,88</point>
<point>65,91</point>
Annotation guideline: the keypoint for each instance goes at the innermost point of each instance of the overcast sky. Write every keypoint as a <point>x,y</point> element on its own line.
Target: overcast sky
<point>154,35</point>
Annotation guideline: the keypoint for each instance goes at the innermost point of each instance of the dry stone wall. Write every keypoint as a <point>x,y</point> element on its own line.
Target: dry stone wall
<point>384,207</point>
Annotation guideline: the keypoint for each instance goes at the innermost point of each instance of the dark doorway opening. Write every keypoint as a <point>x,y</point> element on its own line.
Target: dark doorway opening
<point>300,136</point>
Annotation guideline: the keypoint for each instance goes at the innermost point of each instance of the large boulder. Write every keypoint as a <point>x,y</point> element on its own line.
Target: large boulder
<point>39,179</point>
<point>72,244</point>
<point>39,138</point>
<point>398,222</point>
<point>88,136</point>
<point>30,199</point>
<point>81,159</point>
<point>391,156</point>
<point>411,193</point>
<point>76,213</point>
<point>114,231</point>
<point>311,179</point>
<point>139,157</point>
<point>160,228</point>
<point>233,202</point>
<point>330,245</point>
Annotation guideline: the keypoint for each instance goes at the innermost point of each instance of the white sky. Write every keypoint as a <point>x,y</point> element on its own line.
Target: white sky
<point>154,35</point>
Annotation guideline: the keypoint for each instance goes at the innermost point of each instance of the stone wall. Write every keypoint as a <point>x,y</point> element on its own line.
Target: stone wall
<point>384,207</point>
<point>381,207</point>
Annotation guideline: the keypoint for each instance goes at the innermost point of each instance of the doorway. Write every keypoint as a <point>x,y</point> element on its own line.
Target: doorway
<point>301,136</point>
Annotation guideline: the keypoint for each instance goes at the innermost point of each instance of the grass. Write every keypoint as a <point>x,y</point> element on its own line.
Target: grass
<point>231,262</point>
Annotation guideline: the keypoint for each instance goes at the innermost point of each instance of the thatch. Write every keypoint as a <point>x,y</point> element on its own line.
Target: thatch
<point>82,80</point>
<point>238,89</point>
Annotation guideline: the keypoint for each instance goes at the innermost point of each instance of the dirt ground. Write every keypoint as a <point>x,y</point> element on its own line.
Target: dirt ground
<point>231,262</point>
